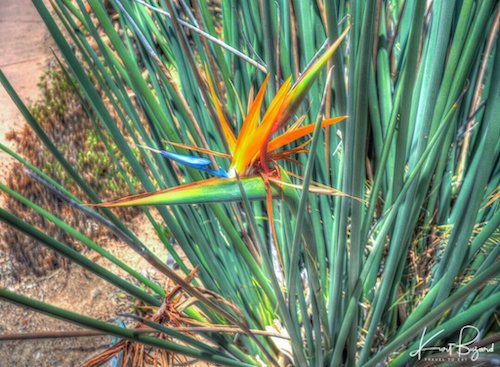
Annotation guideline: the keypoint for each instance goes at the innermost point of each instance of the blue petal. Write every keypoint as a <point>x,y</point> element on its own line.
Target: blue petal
<point>191,161</point>
<point>188,160</point>
<point>220,173</point>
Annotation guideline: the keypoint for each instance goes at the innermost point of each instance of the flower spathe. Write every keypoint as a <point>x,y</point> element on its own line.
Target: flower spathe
<point>253,148</point>
<point>254,137</point>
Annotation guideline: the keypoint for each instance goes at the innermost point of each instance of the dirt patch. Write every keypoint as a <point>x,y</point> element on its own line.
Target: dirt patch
<point>24,56</point>
<point>58,289</point>
<point>23,60</point>
<point>61,115</point>
<point>77,290</point>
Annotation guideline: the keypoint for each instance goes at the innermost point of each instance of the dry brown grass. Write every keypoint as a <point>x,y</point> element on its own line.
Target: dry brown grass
<point>63,118</point>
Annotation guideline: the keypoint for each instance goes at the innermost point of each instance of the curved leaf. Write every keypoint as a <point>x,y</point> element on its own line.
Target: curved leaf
<point>206,191</point>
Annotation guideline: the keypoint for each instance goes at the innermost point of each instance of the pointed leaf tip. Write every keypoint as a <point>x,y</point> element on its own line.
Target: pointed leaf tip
<point>306,80</point>
<point>200,192</point>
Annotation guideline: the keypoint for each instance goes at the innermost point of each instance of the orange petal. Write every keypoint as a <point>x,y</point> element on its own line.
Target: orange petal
<point>293,135</point>
<point>255,140</point>
<point>226,129</point>
<point>252,118</point>
<point>252,136</point>
<point>297,123</point>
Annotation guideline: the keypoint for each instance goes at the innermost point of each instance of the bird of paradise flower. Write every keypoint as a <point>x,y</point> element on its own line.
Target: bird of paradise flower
<point>250,152</point>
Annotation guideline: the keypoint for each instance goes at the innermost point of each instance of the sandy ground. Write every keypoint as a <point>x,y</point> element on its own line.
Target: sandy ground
<point>24,54</point>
